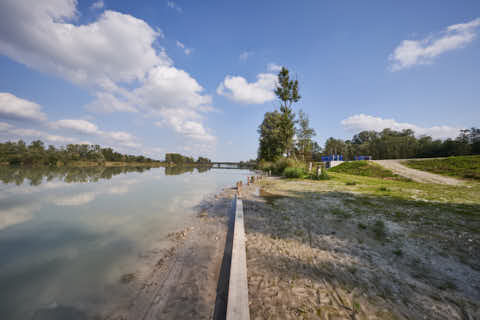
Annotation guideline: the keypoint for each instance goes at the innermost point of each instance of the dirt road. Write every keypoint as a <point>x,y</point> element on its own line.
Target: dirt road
<point>417,175</point>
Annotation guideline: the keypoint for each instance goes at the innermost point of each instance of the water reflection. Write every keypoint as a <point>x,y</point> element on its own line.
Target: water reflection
<point>67,235</point>
<point>37,175</point>
<point>172,171</point>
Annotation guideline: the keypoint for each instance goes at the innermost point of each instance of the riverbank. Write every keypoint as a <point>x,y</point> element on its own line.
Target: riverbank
<point>83,164</point>
<point>362,248</point>
<point>179,278</point>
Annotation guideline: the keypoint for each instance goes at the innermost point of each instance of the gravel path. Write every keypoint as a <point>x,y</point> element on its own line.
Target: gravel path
<point>417,175</point>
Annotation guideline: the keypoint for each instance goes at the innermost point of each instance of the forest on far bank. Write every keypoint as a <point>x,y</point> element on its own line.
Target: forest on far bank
<point>37,154</point>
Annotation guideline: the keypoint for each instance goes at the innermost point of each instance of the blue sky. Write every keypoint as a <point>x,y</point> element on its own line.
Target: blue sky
<point>196,77</point>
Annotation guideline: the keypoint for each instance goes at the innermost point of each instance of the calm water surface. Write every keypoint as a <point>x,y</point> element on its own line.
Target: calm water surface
<point>68,235</point>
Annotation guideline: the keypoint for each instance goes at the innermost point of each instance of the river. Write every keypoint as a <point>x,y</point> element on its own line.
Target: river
<point>69,235</point>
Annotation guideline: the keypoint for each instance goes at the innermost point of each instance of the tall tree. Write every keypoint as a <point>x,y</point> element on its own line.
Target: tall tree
<point>304,136</point>
<point>271,146</point>
<point>287,92</point>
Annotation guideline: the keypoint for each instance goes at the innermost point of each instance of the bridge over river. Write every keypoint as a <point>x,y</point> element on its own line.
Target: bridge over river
<point>230,165</point>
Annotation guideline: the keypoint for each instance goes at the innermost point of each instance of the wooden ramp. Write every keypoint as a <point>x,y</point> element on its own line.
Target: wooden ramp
<point>237,305</point>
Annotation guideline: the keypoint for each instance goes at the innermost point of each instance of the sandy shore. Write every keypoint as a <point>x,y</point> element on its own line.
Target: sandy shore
<point>314,253</point>
<point>180,279</point>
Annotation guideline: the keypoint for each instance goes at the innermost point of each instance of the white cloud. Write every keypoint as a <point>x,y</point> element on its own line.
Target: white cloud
<point>97,5</point>
<point>174,6</point>
<point>245,55</point>
<point>168,87</point>
<point>86,127</point>
<point>238,89</point>
<point>82,126</point>
<point>180,122</point>
<point>360,122</point>
<point>186,50</point>
<point>413,52</point>
<point>116,47</point>
<point>114,56</point>
<point>107,102</point>
<point>272,67</point>
<point>12,107</point>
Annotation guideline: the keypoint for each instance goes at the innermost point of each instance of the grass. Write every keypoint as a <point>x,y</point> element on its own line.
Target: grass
<point>366,169</point>
<point>466,167</point>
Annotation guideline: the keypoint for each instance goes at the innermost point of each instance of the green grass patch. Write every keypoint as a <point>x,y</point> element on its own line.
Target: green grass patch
<point>466,167</point>
<point>365,169</point>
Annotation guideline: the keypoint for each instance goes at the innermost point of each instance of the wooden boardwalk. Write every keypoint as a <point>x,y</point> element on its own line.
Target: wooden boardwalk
<point>237,306</point>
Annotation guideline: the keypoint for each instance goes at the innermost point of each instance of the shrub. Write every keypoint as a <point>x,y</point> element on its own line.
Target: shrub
<point>280,165</point>
<point>293,172</point>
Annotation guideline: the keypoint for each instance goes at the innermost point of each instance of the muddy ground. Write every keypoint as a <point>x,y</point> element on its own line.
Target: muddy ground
<point>315,253</point>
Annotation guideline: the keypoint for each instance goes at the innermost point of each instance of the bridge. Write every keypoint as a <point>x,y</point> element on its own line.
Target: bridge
<point>229,165</point>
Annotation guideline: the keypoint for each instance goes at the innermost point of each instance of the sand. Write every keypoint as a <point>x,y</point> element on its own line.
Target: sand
<point>180,280</point>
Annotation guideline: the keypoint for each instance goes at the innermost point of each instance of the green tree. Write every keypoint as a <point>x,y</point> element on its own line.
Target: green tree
<point>304,136</point>
<point>287,92</point>
<point>270,146</point>
<point>335,146</point>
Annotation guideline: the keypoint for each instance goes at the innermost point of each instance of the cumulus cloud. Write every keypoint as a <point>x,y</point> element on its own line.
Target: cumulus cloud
<point>86,127</point>
<point>414,52</point>
<point>360,122</point>
<point>116,47</point>
<point>82,126</point>
<point>240,90</point>
<point>181,122</point>
<point>115,56</point>
<point>12,107</point>
<point>173,5</point>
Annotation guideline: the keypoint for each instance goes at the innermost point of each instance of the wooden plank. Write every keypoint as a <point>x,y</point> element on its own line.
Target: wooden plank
<point>237,306</point>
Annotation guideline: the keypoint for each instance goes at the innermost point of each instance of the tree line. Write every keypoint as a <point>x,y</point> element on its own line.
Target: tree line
<point>179,159</point>
<point>281,135</point>
<point>391,144</point>
<point>36,153</point>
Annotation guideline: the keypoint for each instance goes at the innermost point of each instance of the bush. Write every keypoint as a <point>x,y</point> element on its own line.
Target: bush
<point>278,167</point>
<point>281,164</point>
<point>293,172</point>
